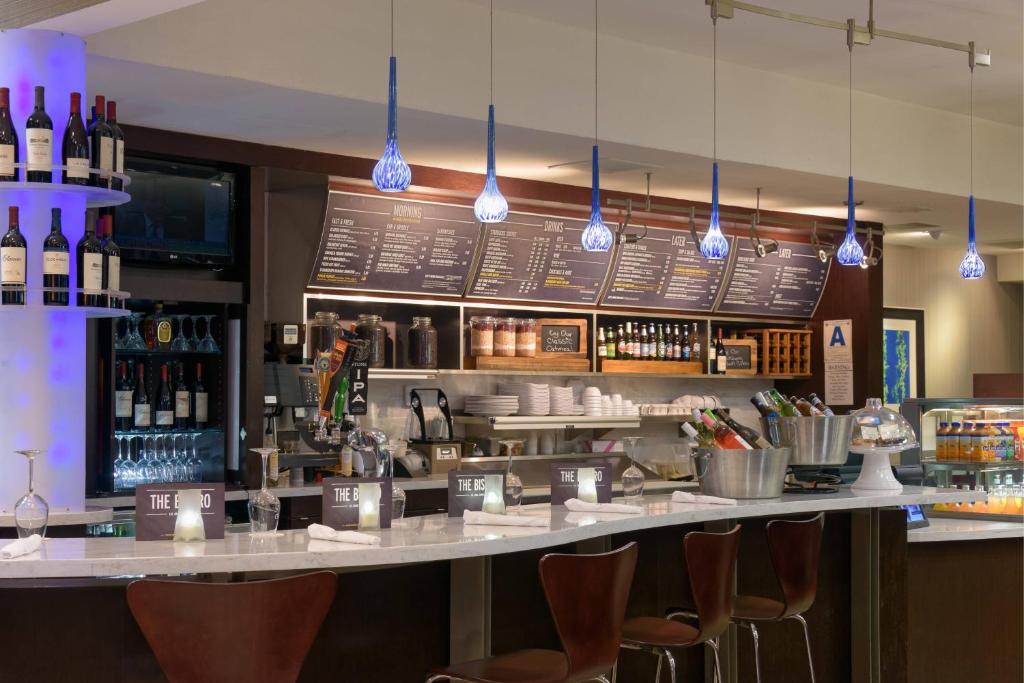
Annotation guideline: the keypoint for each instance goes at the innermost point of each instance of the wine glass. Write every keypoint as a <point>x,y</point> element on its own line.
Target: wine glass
<point>513,484</point>
<point>397,493</point>
<point>121,338</point>
<point>134,342</point>
<point>195,465</point>
<point>179,343</point>
<point>632,476</point>
<point>208,345</point>
<point>264,507</point>
<point>31,512</point>
<point>119,463</point>
<point>147,464</point>
<point>131,467</point>
<point>193,340</point>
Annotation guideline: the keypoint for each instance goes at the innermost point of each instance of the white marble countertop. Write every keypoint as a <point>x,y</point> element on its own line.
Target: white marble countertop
<point>941,529</point>
<point>418,539</point>
<point>433,481</point>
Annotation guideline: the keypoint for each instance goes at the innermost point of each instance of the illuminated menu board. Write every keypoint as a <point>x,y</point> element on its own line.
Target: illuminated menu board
<point>529,257</point>
<point>395,245</point>
<point>665,270</point>
<point>787,283</point>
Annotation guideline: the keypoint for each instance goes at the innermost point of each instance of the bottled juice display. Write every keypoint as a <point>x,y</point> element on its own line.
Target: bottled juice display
<point>989,443</point>
<point>978,442</point>
<point>942,441</point>
<point>953,451</point>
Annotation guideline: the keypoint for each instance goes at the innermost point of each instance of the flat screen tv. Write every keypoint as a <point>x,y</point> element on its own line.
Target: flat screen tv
<point>180,214</point>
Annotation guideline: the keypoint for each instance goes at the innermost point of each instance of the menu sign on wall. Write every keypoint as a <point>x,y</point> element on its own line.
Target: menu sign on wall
<point>665,270</point>
<point>395,245</point>
<point>538,258</point>
<point>787,283</point>
<point>156,510</point>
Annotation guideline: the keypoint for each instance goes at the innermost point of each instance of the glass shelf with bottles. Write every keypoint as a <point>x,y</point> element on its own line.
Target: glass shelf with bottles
<point>160,333</point>
<point>97,191</point>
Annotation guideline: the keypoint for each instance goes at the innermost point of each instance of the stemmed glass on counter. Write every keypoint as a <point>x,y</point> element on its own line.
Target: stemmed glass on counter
<point>632,476</point>
<point>264,506</point>
<point>31,512</point>
<point>513,483</point>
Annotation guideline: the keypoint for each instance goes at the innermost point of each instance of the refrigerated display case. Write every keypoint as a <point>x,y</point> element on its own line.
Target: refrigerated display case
<point>982,452</point>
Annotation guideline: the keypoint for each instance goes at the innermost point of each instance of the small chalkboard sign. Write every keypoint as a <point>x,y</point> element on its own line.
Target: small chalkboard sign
<point>740,356</point>
<point>466,490</point>
<point>341,502</point>
<point>561,338</point>
<point>156,510</point>
<point>564,485</point>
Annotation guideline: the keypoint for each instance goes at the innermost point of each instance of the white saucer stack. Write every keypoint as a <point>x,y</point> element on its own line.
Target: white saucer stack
<point>592,402</point>
<point>493,406</point>
<point>561,401</point>
<point>534,399</point>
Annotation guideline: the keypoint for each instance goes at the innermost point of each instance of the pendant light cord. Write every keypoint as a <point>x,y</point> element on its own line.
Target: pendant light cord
<point>492,52</point>
<point>851,109</point>
<point>595,72</point>
<point>971,116</point>
<point>714,88</point>
<point>392,28</point>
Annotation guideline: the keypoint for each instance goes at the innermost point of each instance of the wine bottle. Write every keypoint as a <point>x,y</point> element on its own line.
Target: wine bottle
<point>820,405</point>
<point>725,437</point>
<point>12,261</point>
<point>645,344</point>
<point>612,350</point>
<point>637,349</point>
<point>602,348</point>
<point>683,350</point>
<point>621,349</point>
<point>628,337</point>
<point>8,139</point>
<point>74,149</point>
<point>202,399</point>
<point>699,432</point>
<point>751,436</point>
<point>55,263</point>
<point>182,400</point>
<point>122,399</point>
<point>712,358</point>
<point>782,406</point>
<point>143,414</point>
<point>89,260</point>
<point>762,405</point>
<point>118,135</point>
<point>659,343</point>
<point>101,145</point>
<point>695,345</point>
<point>164,402</point>
<point>804,406</point>
<point>111,262</point>
<point>39,142</point>
<point>721,360</point>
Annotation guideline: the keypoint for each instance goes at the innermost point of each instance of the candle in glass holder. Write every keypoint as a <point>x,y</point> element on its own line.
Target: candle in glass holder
<point>586,484</point>
<point>188,524</point>
<point>369,506</point>
<point>494,493</point>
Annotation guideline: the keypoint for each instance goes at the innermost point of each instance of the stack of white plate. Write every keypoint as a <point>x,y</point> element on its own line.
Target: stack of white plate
<point>561,402</point>
<point>592,402</point>
<point>494,406</point>
<point>534,399</point>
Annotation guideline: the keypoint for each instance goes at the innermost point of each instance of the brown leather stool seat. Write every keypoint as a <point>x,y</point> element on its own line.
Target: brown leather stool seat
<point>756,608</point>
<point>659,632</point>
<point>587,596</point>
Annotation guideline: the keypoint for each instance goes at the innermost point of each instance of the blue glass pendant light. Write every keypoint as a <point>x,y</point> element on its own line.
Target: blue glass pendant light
<point>714,245</point>
<point>392,174</point>
<point>491,206</point>
<point>971,267</point>
<point>596,236</point>
<point>850,253</point>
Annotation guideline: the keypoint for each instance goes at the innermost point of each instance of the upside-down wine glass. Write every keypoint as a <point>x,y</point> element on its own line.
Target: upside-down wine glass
<point>180,343</point>
<point>264,507</point>
<point>31,512</point>
<point>513,483</point>
<point>208,345</point>
<point>632,477</point>
<point>193,339</point>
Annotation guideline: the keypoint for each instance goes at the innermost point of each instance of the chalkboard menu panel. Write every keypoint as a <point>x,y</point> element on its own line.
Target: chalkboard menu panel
<point>395,245</point>
<point>538,258</point>
<point>787,283</point>
<point>665,270</point>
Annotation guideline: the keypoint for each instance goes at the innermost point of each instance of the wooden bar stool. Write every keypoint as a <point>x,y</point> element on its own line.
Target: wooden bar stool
<point>711,566</point>
<point>587,596</point>
<point>795,548</point>
<point>216,632</point>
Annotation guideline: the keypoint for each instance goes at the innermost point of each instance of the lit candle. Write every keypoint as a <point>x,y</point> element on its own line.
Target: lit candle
<point>188,524</point>
<point>586,484</point>
<point>494,493</point>
<point>369,506</point>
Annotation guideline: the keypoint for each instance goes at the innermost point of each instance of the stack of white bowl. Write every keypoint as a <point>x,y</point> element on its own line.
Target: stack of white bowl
<point>534,399</point>
<point>592,402</point>
<point>561,401</point>
<point>493,406</point>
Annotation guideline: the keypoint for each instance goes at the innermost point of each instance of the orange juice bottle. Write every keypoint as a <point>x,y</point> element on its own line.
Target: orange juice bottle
<point>981,505</point>
<point>941,439</point>
<point>953,441</point>
<point>991,441</point>
<point>964,442</point>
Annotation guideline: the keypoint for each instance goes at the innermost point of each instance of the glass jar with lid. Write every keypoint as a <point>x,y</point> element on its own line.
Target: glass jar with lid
<point>505,337</point>
<point>481,336</point>
<point>422,344</point>
<point>878,433</point>
<point>526,337</point>
<point>369,327</point>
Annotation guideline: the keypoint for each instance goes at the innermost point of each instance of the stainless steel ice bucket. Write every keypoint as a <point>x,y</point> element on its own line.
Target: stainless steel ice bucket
<point>758,473</point>
<point>816,440</point>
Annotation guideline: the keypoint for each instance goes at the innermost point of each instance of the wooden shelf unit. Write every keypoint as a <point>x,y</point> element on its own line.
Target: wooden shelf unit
<point>784,351</point>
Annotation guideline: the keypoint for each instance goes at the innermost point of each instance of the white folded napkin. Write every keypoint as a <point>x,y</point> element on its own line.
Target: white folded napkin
<point>474,517</point>
<point>23,546</point>
<point>577,505</point>
<point>687,497</point>
<point>326,533</point>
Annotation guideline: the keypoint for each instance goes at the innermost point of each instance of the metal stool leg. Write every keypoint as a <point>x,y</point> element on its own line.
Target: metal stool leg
<point>807,640</point>
<point>757,652</point>
<point>718,665</point>
<point>671,666</point>
<point>615,671</point>
<point>657,672</point>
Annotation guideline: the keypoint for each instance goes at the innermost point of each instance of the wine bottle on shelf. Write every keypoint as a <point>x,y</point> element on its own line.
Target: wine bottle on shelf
<point>725,437</point>
<point>74,148</point>
<point>118,135</point>
<point>101,145</point>
<point>820,405</point>
<point>39,142</point>
<point>612,350</point>
<point>12,262</point>
<point>202,399</point>
<point>751,436</point>
<point>143,411</point>
<point>89,260</point>
<point>782,406</point>
<point>627,336</point>
<point>122,399</point>
<point>683,349</point>
<point>645,344</point>
<point>712,358</point>
<point>695,345</point>
<point>111,262</point>
<point>602,348</point>
<point>55,263</point>
<point>721,360</point>
<point>8,139</point>
<point>182,400</point>
<point>652,343</point>
<point>636,353</point>
<point>659,343</point>
<point>620,344</point>
<point>164,402</point>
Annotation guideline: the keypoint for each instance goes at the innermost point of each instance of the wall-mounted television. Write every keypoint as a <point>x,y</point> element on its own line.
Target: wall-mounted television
<point>180,213</point>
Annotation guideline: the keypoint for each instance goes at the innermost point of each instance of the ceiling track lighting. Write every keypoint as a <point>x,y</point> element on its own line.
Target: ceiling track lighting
<point>761,249</point>
<point>491,206</point>
<point>714,245</point>
<point>972,267</point>
<point>620,236</point>
<point>596,236</point>
<point>392,174</point>
<point>872,253</point>
<point>826,250</point>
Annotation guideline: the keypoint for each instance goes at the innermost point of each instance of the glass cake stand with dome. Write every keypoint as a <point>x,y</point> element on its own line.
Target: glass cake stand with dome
<point>878,433</point>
